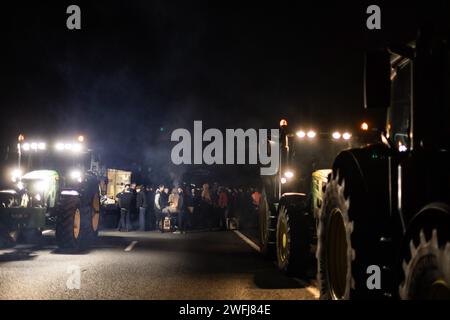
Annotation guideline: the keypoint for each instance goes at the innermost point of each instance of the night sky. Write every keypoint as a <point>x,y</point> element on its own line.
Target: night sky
<point>139,69</point>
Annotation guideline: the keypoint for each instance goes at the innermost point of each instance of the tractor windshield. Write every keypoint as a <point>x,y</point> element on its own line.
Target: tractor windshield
<point>63,163</point>
<point>307,156</point>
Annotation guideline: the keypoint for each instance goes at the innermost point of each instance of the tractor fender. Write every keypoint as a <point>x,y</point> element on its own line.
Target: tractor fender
<point>292,199</point>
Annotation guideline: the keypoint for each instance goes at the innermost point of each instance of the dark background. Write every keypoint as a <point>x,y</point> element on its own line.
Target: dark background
<point>139,69</point>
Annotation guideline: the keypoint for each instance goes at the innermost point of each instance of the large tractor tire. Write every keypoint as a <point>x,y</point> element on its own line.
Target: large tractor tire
<point>426,259</point>
<point>348,241</point>
<point>292,241</point>
<point>94,224</point>
<point>77,221</point>
<point>267,228</point>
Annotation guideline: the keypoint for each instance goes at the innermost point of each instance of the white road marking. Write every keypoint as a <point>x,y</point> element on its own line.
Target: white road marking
<point>131,246</point>
<point>248,241</point>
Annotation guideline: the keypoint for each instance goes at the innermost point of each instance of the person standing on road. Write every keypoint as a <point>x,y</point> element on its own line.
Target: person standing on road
<point>125,202</point>
<point>181,210</point>
<point>141,203</point>
<point>158,205</point>
<point>223,208</point>
<point>150,214</point>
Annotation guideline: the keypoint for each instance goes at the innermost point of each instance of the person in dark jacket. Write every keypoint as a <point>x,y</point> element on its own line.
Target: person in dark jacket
<point>125,199</point>
<point>141,203</point>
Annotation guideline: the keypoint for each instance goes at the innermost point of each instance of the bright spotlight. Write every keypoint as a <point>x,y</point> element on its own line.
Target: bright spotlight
<point>16,174</point>
<point>59,146</point>
<point>346,136</point>
<point>75,174</point>
<point>336,135</point>
<point>76,147</point>
<point>289,174</point>
<point>364,126</point>
<point>301,134</point>
<point>311,134</point>
<point>26,146</point>
<point>283,123</point>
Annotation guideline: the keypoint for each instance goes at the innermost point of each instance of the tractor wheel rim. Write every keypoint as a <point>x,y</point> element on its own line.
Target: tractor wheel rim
<point>283,242</point>
<point>337,255</point>
<point>76,223</point>
<point>96,212</point>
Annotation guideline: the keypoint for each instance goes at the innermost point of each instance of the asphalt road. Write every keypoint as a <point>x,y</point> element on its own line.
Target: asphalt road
<point>147,265</point>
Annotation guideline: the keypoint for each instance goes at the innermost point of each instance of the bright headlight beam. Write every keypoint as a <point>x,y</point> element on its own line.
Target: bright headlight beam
<point>289,174</point>
<point>346,136</point>
<point>59,146</point>
<point>336,135</point>
<point>301,134</point>
<point>311,134</point>
<point>26,146</point>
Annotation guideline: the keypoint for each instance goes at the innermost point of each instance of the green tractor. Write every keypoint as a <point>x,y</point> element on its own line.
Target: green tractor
<point>384,229</point>
<point>58,191</point>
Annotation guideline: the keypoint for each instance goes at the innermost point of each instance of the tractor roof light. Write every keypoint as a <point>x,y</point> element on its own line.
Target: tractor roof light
<point>26,146</point>
<point>364,126</point>
<point>311,134</point>
<point>336,135</point>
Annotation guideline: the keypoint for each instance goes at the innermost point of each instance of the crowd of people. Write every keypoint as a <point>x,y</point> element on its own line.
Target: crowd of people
<point>188,207</point>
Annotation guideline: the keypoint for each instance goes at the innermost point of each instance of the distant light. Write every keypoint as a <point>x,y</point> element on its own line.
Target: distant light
<point>311,134</point>
<point>364,126</point>
<point>283,180</point>
<point>283,123</point>
<point>59,146</point>
<point>38,197</point>
<point>336,135</point>
<point>402,147</point>
<point>346,136</point>
<point>75,174</point>
<point>80,138</point>
<point>16,174</point>
<point>21,138</point>
<point>76,147</point>
<point>289,174</point>
<point>20,185</point>
<point>26,146</point>
<point>301,134</point>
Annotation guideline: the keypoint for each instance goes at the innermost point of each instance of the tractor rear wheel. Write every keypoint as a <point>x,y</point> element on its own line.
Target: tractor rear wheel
<point>292,242</point>
<point>267,228</point>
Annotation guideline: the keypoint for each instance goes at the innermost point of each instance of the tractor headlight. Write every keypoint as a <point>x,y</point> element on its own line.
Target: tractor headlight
<point>346,136</point>
<point>16,174</point>
<point>289,174</point>
<point>75,175</point>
